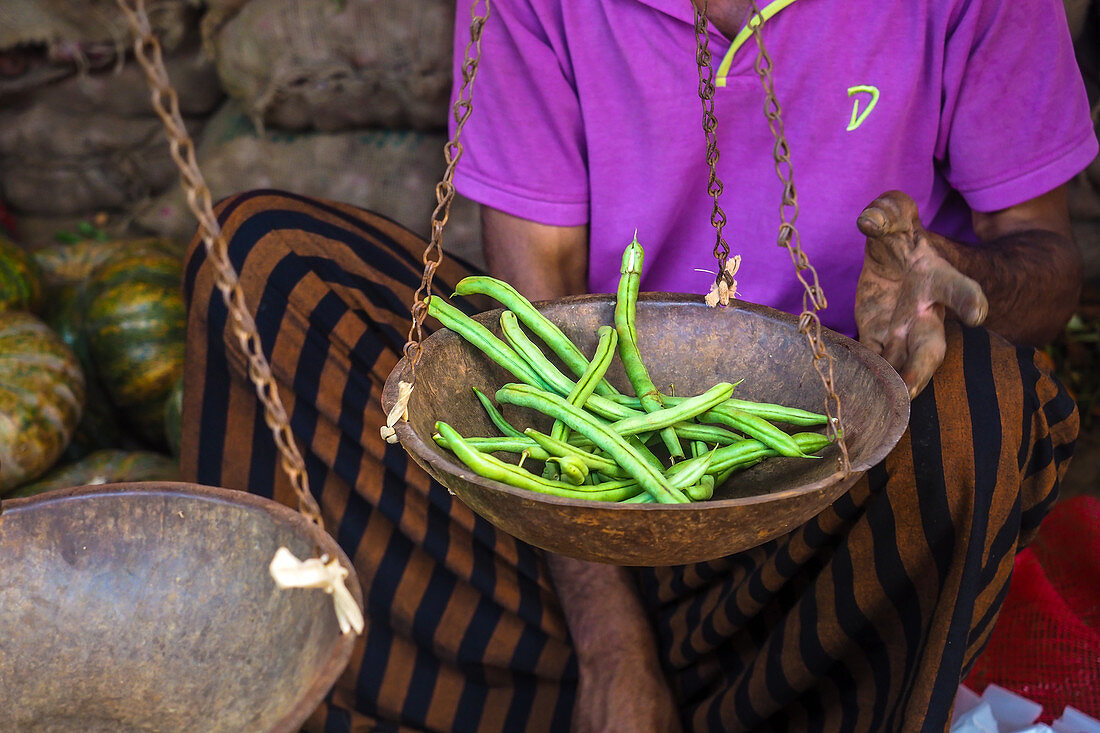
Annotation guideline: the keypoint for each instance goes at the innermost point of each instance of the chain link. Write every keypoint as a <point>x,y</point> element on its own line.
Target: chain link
<point>445,190</point>
<point>710,127</point>
<point>148,52</point>
<point>813,298</point>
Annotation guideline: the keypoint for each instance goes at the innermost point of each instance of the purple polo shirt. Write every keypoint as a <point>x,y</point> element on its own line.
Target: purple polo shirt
<point>587,112</point>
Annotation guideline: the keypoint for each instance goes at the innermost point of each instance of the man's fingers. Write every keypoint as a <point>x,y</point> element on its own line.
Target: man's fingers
<point>961,294</point>
<point>926,348</point>
<point>895,348</point>
<point>891,213</point>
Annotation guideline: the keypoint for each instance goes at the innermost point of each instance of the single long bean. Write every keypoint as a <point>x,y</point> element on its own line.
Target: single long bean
<point>686,473</point>
<point>706,433</point>
<point>767,410</point>
<point>490,467</point>
<point>483,339</point>
<point>531,317</point>
<point>501,445</point>
<point>532,355</point>
<point>752,449</point>
<point>662,418</point>
<point>754,427</point>
<point>592,376</point>
<point>630,274</point>
<point>627,456</point>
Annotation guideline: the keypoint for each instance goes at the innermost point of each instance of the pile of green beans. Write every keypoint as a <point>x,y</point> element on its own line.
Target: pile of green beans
<point>603,444</point>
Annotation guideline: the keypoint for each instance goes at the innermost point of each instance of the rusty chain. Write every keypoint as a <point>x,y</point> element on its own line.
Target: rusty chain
<point>445,190</point>
<point>710,126</point>
<point>813,298</point>
<point>148,52</point>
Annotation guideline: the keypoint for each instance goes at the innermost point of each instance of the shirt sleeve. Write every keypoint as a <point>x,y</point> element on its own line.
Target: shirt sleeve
<point>523,142</point>
<point>1015,121</point>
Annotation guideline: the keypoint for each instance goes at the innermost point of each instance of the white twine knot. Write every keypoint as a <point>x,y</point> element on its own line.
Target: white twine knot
<point>720,293</point>
<point>319,572</point>
<point>399,411</point>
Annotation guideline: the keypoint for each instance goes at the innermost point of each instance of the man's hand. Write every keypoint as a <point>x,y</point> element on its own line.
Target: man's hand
<point>621,687</point>
<point>904,289</point>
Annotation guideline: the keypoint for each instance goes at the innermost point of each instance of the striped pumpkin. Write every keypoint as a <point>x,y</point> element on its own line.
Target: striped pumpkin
<point>134,320</point>
<point>20,278</point>
<point>99,423</point>
<point>73,263</point>
<point>104,467</point>
<point>41,397</point>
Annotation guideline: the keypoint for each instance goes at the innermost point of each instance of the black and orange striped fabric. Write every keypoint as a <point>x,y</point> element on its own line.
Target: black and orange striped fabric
<point>864,619</point>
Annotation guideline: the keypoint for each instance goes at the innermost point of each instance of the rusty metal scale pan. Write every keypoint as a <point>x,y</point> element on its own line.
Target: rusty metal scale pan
<point>149,607</point>
<point>689,346</point>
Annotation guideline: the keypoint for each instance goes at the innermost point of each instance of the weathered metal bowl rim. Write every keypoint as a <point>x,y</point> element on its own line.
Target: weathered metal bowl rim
<point>280,513</point>
<point>440,461</point>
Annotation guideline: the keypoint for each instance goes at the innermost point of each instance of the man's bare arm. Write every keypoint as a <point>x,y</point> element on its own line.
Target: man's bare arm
<point>540,261</point>
<point>622,687</point>
<point>1028,266</point>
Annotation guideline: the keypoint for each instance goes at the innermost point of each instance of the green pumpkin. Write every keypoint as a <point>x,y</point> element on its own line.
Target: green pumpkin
<point>41,397</point>
<point>72,263</point>
<point>134,320</point>
<point>99,426</point>
<point>104,467</point>
<point>20,278</point>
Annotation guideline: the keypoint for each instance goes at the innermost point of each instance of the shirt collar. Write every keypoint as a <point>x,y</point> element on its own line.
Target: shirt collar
<point>683,10</point>
<point>766,13</point>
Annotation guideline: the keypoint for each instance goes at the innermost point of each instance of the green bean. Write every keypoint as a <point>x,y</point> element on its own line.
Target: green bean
<point>686,430</point>
<point>571,468</point>
<point>556,447</point>
<point>779,413</point>
<point>490,467</point>
<point>754,427</point>
<point>601,360</point>
<point>625,303</point>
<point>539,324</point>
<point>767,410</point>
<point>496,417</point>
<point>687,409</point>
<point>703,490</point>
<point>686,473</point>
<point>638,443</point>
<point>501,445</point>
<point>483,339</point>
<point>532,355</point>
<point>706,433</point>
<point>627,456</point>
<point>752,449</point>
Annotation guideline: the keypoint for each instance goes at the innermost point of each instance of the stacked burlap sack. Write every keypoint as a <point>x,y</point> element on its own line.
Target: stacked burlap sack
<point>78,134</point>
<point>340,99</point>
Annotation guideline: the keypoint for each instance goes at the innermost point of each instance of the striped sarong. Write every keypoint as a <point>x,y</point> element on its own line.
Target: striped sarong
<point>864,619</point>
